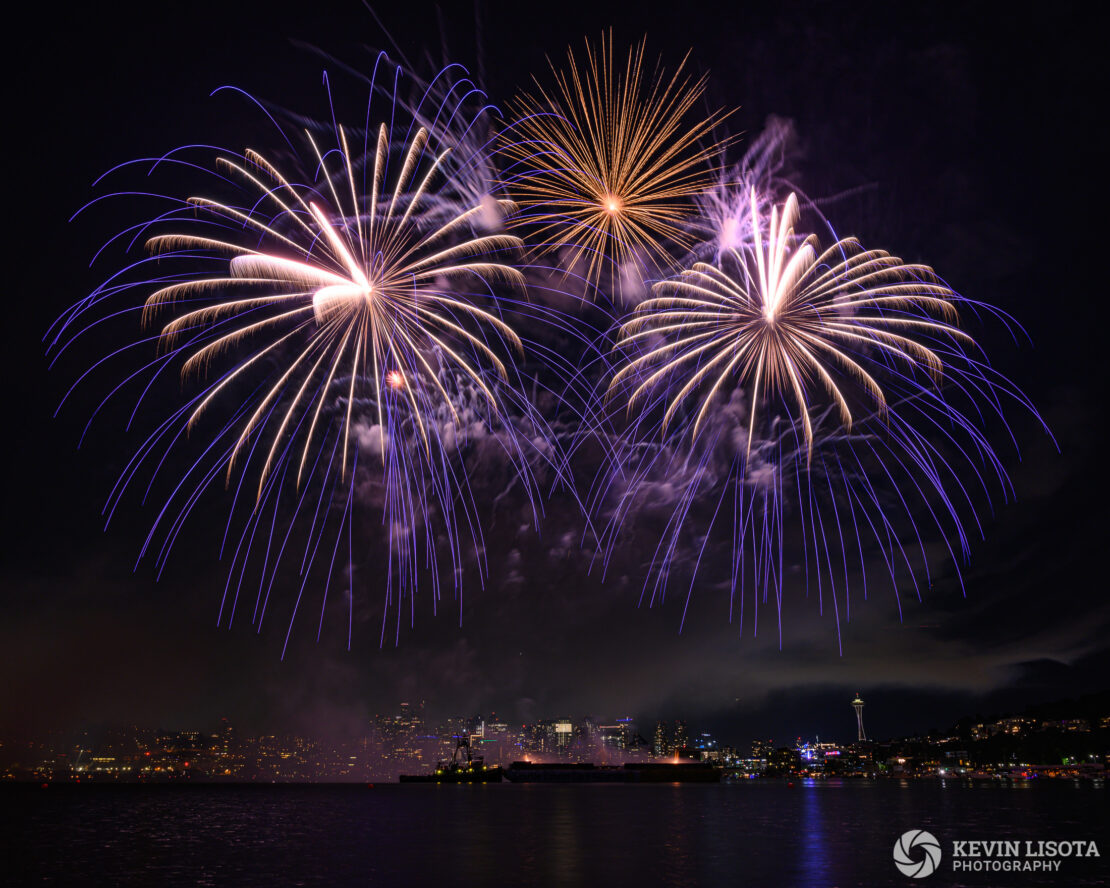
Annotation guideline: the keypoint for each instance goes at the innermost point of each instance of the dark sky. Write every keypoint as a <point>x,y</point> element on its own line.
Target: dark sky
<point>969,137</point>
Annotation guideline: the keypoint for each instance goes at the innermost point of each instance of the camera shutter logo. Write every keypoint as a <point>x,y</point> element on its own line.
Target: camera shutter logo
<point>917,854</point>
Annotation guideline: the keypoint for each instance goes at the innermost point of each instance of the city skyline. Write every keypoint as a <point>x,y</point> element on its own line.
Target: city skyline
<point>1068,738</point>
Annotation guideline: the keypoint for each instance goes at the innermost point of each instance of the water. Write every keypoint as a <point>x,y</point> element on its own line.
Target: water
<point>758,833</point>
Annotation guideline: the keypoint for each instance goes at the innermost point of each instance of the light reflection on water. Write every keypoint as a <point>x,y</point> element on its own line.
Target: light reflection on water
<point>758,833</point>
<point>812,840</point>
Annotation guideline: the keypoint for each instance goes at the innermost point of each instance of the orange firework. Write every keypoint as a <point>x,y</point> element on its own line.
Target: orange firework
<point>604,163</point>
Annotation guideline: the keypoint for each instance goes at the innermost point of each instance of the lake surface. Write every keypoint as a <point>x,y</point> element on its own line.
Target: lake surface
<point>758,833</point>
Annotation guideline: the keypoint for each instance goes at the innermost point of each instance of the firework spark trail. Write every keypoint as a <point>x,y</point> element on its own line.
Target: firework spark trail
<point>604,163</point>
<point>723,221</point>
<point>824,507</point>
<point>333,312</point>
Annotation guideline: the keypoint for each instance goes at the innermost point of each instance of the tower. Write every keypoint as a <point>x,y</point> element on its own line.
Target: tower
<point>857,705</point>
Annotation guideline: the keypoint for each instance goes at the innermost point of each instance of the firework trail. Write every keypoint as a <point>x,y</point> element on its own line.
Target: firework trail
<point>605,164</point>
<point>723,220</point>
<point>344,299</point>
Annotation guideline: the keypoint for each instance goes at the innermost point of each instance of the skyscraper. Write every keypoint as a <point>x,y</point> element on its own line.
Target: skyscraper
<point>659,741</point>
<point>681,735</point>
<point>564,733</point>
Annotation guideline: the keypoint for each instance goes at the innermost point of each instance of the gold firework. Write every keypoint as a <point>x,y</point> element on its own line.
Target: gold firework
<point>791,320</point>
<point>344,285</point>
<point>604,163</point>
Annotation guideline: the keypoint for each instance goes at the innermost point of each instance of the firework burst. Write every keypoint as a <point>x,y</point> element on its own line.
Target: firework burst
<point>368,292</point>
<point>605,163</point>
<point>791,321</point>
<point>344,298</point>
<point>825,400</point>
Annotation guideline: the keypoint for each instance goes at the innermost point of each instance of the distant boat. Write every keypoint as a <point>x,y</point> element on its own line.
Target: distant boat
<point>472,769</point>
<point>631,772</point>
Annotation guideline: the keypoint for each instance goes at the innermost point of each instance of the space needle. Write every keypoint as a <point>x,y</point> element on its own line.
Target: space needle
<point>857,705</point>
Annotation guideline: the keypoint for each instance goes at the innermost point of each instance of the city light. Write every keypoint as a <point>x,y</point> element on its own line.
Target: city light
<point>406,742</point>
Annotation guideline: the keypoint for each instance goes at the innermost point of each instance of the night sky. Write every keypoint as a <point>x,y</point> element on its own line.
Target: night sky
<point>963,139</point>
